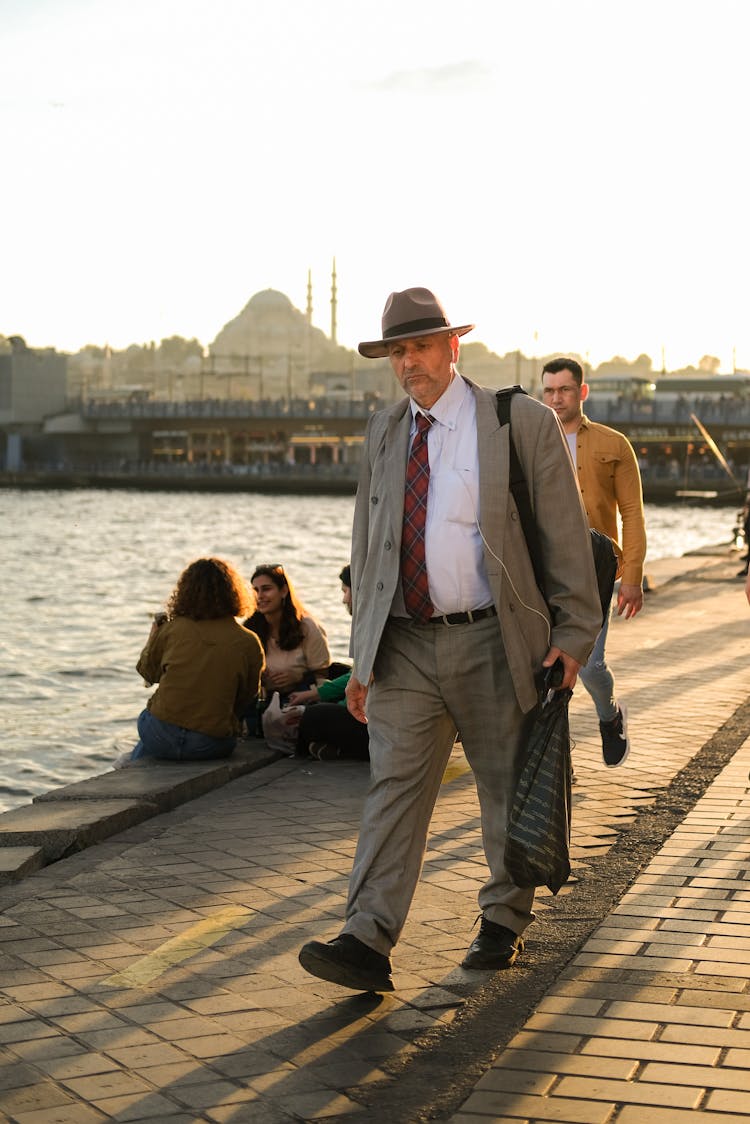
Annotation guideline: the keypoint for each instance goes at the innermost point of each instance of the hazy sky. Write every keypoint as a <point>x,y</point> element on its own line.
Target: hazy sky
<point>569,175</point>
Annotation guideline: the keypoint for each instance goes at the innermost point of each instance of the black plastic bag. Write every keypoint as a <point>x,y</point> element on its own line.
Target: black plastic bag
<point>537,846</point>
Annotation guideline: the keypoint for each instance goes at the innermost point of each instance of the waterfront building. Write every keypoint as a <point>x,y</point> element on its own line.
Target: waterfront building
<point>33,386</point>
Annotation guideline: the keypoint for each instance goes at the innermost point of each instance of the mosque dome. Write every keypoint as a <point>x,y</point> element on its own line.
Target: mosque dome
<point>269,301</point>
<point>272,331</point>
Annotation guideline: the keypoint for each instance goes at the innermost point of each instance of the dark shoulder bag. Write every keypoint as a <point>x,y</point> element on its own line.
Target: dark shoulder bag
<point>605,558</point>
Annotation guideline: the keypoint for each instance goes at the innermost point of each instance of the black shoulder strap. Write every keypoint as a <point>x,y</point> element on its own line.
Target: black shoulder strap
<point>518,486</point>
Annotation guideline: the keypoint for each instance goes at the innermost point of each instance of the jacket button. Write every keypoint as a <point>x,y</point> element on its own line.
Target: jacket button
<point>387,545</point>
<point>514,515</point>
<point>379,587</point>
<point>374,500</point>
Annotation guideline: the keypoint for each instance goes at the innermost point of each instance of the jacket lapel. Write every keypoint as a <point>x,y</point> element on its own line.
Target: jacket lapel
<point>395,448</point>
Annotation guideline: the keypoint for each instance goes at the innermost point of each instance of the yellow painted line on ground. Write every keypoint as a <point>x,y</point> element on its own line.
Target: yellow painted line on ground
<point>205,933</point>
<point>174,951</point>
<point>458,767</point>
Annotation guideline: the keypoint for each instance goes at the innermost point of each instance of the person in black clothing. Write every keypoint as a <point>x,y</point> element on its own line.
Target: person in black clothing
<point>327,730</point>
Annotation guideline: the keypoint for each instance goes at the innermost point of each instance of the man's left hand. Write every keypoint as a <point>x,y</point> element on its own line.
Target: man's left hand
<point>629,600</point>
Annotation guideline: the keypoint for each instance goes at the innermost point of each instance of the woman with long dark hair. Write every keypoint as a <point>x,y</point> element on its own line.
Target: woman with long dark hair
<point>207,665</point>
<point>295,645</point>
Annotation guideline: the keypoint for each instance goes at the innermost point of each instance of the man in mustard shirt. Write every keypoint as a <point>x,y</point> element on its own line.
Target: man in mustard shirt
<point>610,482</point>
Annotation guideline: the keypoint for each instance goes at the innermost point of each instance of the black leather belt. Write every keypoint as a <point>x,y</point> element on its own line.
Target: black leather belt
<point>464,618</point>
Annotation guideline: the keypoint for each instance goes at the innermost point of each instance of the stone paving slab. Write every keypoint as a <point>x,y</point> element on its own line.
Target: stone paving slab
<point>17,862</point>
<point>61,828</point>
<point>155,976</point>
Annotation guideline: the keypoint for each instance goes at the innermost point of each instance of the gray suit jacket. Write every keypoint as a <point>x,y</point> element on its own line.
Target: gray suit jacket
<point>523,616</point>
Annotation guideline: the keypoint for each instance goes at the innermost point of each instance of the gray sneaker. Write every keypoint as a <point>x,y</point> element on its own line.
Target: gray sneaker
<point>615,741</point>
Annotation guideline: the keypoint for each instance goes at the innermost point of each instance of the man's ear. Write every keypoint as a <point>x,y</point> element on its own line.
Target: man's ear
<point>584,391</point>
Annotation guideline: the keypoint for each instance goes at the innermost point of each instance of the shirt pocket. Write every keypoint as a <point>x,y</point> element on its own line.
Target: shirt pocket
<point>605,463</point>
<point>456,502</point>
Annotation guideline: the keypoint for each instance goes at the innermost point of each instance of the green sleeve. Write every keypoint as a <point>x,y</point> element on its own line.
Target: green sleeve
<point>333,690</point>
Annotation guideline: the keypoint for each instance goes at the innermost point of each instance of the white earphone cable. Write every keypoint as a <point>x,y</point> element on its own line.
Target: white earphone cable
<point>489,549</point>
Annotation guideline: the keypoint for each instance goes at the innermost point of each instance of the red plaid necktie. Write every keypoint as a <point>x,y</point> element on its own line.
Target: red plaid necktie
<point>413,566</point>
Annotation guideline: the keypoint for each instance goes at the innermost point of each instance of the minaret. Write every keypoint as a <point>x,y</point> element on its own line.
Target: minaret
<point>333,303</point>
<point>107,367</point>
<point>308,314</point>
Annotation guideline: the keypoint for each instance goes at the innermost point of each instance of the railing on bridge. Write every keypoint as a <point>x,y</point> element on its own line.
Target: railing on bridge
<point>280,408</point>
<point>627,413</point>
<point>615,412</point>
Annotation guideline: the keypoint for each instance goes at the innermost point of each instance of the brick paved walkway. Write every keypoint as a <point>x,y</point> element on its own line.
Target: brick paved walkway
<point>155,977</point>
<point>650,1023</point>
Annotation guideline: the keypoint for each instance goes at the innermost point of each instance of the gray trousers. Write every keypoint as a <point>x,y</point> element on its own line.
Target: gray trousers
<point>430,682</point>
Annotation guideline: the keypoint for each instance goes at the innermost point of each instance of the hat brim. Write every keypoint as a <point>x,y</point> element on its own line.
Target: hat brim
<point>378,349</point>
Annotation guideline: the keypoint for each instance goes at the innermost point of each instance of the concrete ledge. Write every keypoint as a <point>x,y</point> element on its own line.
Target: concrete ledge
<point>17,862</point>
<point>75,816</point>
<point>164,785</point>
<point>64,828</point>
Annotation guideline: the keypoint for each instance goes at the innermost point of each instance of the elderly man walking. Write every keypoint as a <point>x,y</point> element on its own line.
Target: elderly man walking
<point>449,630</point>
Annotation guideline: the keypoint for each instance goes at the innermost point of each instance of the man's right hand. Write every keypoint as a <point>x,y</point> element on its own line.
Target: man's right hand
<point>571,667</point>
<point>356,698</point>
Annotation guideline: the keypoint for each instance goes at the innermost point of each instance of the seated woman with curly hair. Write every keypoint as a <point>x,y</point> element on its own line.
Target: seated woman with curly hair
<point>295,645</point>
<point>207,665</point>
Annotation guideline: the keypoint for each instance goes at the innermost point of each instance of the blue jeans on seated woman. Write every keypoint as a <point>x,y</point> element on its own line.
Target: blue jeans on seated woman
<point>167,742</point>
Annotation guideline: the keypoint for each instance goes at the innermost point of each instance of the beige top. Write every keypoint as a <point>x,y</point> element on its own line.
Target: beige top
<point>311,656</point>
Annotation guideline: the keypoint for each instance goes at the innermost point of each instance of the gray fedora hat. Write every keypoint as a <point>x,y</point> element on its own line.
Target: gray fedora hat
<point>409,315</point>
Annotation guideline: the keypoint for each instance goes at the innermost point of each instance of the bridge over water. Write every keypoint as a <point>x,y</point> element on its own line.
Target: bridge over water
<point>244,442</point>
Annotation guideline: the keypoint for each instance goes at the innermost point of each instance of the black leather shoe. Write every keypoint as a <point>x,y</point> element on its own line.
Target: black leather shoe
<point>495,947</point>
<point>347,961</point>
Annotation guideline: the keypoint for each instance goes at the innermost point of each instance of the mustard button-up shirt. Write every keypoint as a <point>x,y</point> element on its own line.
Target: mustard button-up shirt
<point>610,481</point>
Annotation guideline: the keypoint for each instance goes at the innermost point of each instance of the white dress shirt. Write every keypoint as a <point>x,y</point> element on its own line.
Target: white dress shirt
<point>453,545</point>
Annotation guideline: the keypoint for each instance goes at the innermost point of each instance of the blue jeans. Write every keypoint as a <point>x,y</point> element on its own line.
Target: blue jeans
<point>175,743</point>
<point>597,678</point>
